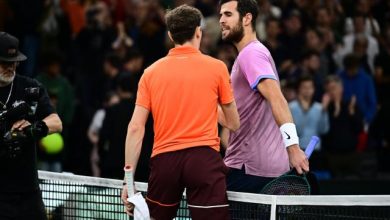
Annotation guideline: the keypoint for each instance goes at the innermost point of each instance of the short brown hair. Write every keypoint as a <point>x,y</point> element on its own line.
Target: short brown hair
<point>182,22</point>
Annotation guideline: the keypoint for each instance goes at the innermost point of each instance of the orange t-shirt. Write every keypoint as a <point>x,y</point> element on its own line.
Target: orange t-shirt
<point>182,90</point>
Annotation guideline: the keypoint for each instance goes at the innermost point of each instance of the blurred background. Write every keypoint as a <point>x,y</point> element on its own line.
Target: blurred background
<point>333,59</point>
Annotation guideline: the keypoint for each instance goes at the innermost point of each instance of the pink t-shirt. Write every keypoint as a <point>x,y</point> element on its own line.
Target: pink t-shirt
<point>258,144</point>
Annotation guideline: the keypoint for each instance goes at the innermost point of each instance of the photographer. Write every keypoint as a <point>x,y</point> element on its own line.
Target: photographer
<point>25,117</point>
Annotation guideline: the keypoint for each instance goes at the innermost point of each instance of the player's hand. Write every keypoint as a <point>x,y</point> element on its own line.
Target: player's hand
<point>20,125</point>
<point>129,207</point>
<point>298,159</point>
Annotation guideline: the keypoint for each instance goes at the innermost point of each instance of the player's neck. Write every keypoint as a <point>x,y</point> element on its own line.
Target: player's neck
<point>249,36</point>
<point>191,43</point>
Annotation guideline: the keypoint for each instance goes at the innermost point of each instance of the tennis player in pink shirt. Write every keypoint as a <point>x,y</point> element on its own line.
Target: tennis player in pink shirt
<point>266,145</point>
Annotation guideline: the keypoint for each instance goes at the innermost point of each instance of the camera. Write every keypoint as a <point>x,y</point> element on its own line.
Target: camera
<point>11,142</point>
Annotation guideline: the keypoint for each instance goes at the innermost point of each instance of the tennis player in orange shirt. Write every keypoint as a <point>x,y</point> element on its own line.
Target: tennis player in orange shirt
<point>187,93</point>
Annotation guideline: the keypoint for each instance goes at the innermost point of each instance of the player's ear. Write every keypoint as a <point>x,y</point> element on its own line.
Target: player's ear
<point>247,19</point>
<point>198,32</point>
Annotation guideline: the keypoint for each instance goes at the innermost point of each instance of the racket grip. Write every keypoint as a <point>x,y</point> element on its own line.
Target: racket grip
<point>129,180</point>
<point>310,147</point>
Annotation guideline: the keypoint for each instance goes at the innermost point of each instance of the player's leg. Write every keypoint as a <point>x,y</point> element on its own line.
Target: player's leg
<point>204,176</point>
<point>165,189</point>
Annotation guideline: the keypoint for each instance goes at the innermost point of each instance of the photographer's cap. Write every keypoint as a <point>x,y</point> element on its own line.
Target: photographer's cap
<point>9,48</point>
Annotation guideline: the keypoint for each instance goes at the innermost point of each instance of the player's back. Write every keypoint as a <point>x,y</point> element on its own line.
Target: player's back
<point>184,89</point>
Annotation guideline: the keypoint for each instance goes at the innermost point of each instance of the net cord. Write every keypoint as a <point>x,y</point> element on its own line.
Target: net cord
<point>323,200</point>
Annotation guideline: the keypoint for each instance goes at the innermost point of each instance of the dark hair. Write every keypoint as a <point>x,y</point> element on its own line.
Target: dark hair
<point>50,57</point>
<point>304,78</point>
<point>351,61</point>
<point>182,22</point>
<point>332,78</point>
<point>271,19</point>
<point>244,7</point>
<point>307,54</point>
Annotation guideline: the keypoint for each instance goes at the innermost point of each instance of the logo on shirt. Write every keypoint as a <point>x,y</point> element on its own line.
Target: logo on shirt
<point>288,136</point>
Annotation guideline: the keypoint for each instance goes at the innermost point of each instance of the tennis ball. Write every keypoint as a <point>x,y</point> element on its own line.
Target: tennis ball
<point>53,143</point>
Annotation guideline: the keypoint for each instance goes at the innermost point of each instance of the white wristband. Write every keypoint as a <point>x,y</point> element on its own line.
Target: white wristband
<point>289,134</point>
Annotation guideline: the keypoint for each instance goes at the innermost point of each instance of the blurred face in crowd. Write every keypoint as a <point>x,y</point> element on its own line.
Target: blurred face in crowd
<point>293,24</point>
<point>230,21</point>
<point>359,24</point>
<point>272,29</point>
<point>323,17</point>
<point>360,46</point>
<point>312,62</point>
<point>312,39</point>
<point>306,89</point>
<point>53,69</point>
<point>7,72</point>
<point>363,6</point>
<point>334,89</point>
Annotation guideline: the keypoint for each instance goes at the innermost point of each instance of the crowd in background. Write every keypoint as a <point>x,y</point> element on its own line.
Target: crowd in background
<point>332,56</point>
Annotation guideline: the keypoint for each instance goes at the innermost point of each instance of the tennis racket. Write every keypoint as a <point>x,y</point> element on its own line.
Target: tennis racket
<point>291,183</point>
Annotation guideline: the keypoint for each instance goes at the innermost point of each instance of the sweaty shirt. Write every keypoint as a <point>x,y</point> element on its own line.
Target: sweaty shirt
<point>258,144</point>
<point>182,90</point>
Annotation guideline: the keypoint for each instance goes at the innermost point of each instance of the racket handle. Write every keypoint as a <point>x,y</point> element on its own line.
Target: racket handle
<point>129,180</point>
<point>310,147</point>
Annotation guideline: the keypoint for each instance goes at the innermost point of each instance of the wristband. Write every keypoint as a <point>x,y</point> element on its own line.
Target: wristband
<point>289,134</point>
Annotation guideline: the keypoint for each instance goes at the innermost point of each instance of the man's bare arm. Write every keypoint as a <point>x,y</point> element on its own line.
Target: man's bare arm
<point>228,116</point>
<point>271,91</point>
<point>135,135</point>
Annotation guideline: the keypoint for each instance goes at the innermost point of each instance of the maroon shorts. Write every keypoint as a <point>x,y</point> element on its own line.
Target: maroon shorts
<point>199,170</point>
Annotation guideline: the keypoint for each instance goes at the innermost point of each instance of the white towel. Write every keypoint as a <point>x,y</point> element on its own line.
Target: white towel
<point>141,211</point>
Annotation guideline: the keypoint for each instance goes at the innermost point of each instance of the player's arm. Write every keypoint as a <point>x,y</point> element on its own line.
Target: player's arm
<point>135,135</point>
<point>271,91</point>
<point>228,116</point>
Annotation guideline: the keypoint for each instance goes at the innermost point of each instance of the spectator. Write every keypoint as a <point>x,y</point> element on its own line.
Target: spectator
<point>266,11</point>
<point>310,117</point>
<point>349,39</point>
<point>112,135</point>
<point>310,65</point>
<point>371,26</point>
<point>57,85</point>
<point>316,41</point>
<point>110,99</point>
<point>358,84</point>
<point>112,66</point>
<point>133,63</point>
<point>272,42</point>
<point>346,123</point>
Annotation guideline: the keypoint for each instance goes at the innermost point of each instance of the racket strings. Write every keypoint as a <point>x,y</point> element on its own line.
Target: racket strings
<point>288,185</point>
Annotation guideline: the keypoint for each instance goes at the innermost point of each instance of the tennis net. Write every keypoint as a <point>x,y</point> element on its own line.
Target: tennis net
<point>68,196</point>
